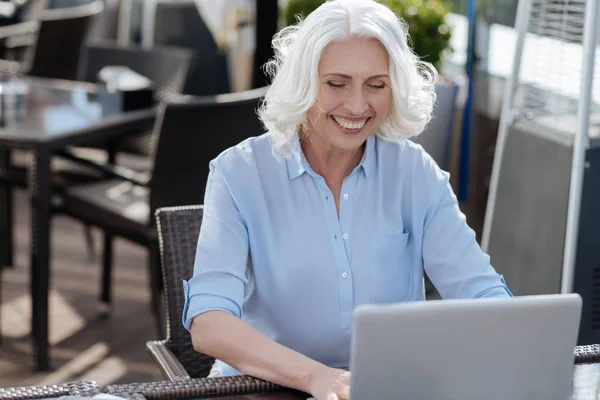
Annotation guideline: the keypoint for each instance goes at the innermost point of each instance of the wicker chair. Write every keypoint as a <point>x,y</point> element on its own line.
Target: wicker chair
<point>80,389</point>
<point>587,354</point>
<point>178,229</point>
<point>201,388</point>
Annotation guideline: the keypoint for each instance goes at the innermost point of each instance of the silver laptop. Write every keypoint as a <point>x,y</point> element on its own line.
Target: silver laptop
<point>493,349</point>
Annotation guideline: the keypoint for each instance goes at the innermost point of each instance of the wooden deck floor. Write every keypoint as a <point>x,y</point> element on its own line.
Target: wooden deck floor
<point>85,346</point>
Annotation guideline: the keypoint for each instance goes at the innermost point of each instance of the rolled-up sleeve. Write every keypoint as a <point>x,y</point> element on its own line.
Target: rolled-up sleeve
<point>452,258</point>
<point>219,279</point>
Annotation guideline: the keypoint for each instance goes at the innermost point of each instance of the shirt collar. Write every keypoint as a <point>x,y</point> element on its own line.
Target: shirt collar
<point>297,164</point>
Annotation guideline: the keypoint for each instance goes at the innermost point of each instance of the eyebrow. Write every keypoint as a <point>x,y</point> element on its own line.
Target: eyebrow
<point>349,77</point>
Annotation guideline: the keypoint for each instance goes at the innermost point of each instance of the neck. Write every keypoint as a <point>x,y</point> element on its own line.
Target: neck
<point>331,163</point>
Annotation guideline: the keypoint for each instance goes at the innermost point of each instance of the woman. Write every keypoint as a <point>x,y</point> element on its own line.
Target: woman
<point>330,209</point>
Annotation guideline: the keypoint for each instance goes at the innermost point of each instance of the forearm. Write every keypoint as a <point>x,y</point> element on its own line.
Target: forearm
<point>229,339</point>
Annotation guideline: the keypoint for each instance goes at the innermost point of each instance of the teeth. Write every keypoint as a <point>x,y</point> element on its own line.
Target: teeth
<point>349,124</point>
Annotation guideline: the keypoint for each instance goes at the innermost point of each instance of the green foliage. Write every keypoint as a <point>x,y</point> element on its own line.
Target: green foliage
<point>300,7</point>
<point>430,35</point>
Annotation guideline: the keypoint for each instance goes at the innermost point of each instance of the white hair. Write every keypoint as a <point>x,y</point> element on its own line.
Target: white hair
<point>294,70</point>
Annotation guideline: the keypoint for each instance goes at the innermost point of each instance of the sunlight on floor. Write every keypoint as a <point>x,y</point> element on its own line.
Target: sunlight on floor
<point>64,319</point>
<point>78,365</point>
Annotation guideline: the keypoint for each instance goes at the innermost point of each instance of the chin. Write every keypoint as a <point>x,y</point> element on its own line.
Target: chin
<point>349,143</point>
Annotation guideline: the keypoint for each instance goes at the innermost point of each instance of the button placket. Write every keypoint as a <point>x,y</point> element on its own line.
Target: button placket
<point>345,270</point>
<point>336,224</point>
<point>346,211</point>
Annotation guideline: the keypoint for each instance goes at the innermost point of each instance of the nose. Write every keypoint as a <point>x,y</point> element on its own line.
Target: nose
<point>356,102</point>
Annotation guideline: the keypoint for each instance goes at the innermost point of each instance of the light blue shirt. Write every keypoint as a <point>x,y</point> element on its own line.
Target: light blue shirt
<point>274,252</point>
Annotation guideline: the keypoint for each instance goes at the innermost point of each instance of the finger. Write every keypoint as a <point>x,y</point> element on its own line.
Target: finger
<point>345,378</point>
<point>343,391</point>
<point>332,396</point>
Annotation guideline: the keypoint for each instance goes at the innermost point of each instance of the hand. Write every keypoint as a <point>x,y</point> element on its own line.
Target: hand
<point>330,384</point>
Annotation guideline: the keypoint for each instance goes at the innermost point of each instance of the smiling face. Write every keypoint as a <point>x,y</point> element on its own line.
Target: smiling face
<point>354,96</point>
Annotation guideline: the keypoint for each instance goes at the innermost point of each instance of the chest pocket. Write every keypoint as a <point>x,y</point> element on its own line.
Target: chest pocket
<point>390,270</point>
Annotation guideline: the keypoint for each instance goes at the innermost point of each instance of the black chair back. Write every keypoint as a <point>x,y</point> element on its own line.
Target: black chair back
<point>178,229</point>
<point>60,39</point>
<point>33,9</point>
<point>106,25</point>
<point>167,67</point>
<point>193,131</point>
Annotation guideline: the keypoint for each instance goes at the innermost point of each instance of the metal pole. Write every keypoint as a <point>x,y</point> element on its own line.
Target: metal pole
<point>266,27</point>
<point>465,137</point>
<point>148,22</point>
<point>124,28</point>
<point>580,146</point>
<point>506,117</point>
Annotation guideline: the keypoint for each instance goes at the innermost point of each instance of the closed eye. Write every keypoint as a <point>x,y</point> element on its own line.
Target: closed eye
<point>335,85</point>
<point>378,86</point>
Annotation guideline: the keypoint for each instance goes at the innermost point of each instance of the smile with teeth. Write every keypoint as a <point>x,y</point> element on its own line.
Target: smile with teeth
<point>354,125</point>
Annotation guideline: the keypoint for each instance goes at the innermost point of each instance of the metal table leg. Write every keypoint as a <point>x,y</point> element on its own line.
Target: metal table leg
<point>40,192</point>
<point>6,215</point>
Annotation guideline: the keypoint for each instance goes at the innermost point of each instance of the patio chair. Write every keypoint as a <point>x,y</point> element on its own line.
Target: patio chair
<point>79,389</point>
<point>58,38</point>
<point>203,388</point>
<point>587,354</point>
<point>178,229</point>
<point>191,131</point>
<point>167,67</point>
<point>15,47</point>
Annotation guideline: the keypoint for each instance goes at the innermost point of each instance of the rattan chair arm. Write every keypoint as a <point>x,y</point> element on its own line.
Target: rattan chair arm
<point>196,388</point>
<point>587,354</point>
<point>167,362</point>
<point>82,389</point>
<point>130,396</point>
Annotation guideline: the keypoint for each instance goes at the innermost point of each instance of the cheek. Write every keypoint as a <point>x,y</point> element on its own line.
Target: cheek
<point>382,105</point>
<point>328,101</point>
<point>316,114</point>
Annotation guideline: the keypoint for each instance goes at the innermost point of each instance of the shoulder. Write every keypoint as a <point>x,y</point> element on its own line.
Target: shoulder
<point>245,156</point>
<point>410,157</point>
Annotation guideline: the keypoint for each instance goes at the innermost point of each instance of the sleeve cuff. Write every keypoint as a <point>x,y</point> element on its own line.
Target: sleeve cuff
<point>200,303</point>
<point>496,291</point>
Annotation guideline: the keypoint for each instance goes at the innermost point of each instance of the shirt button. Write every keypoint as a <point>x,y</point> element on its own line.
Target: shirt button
<point>345,236</point>
<point>346,196</point>
<point>344,275</point>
